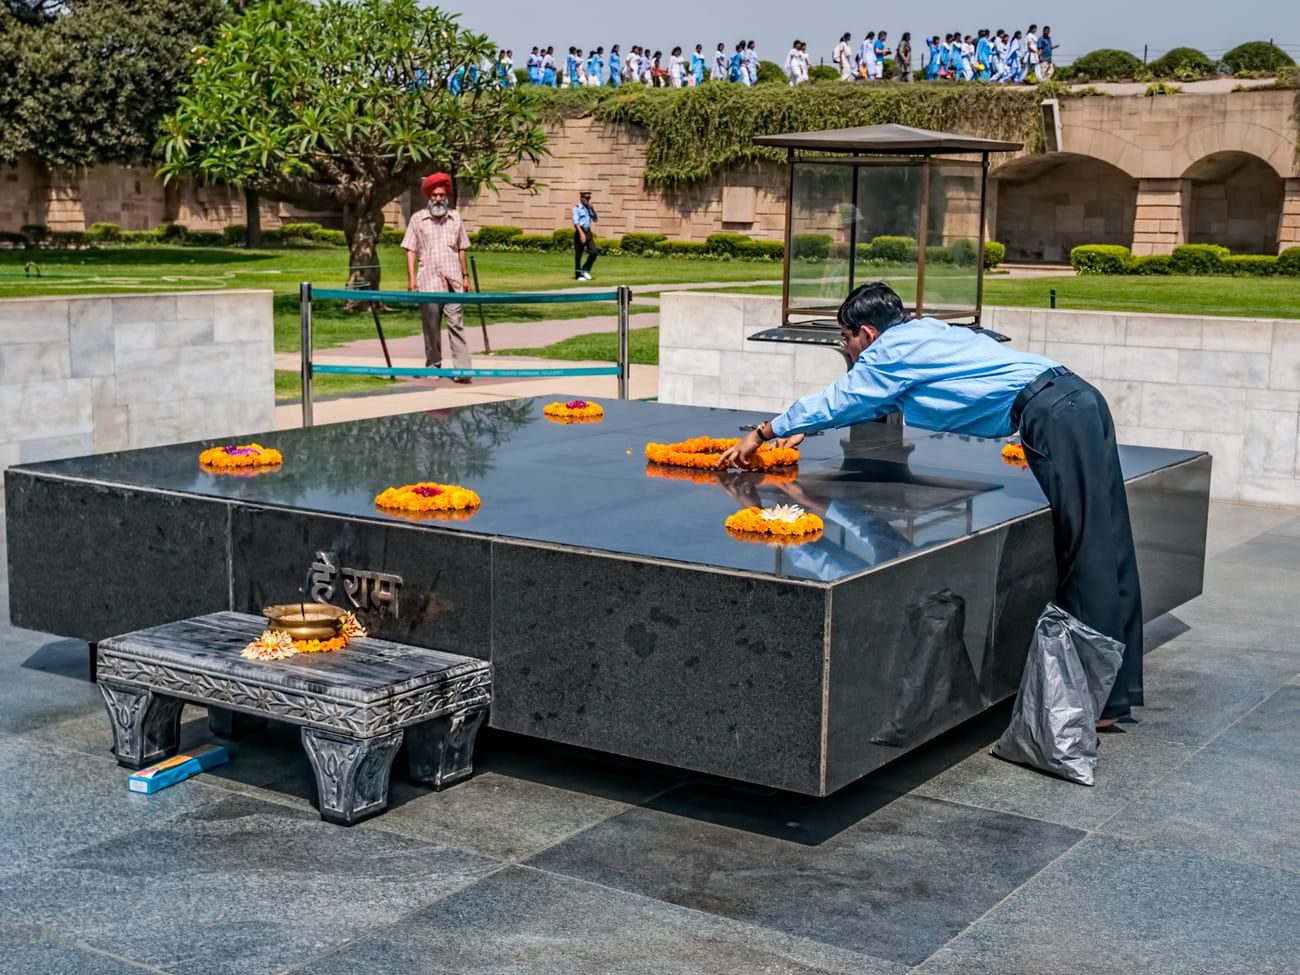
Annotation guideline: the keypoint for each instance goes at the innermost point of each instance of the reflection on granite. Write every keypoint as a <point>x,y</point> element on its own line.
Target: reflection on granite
<point>586,486</point>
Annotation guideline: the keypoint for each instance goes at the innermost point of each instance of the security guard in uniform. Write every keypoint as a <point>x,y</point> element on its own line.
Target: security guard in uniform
<point>946,377</point>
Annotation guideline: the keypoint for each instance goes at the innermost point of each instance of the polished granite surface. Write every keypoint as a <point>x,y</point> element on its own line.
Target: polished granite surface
<point>884,492</point>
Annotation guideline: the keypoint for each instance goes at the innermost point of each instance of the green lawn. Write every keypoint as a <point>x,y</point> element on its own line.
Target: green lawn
<point>642,347</point>
<point>288,385</point>
<point>1172,295</point>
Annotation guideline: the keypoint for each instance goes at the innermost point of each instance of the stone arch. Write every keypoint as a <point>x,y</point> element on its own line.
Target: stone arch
<point>1276,149</point>
<point>1234,198</point>
<point>1047,204</point>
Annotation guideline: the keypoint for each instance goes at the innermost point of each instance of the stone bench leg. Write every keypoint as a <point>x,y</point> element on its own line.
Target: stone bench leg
<point>351,773</point>
<point>146,725</point>
<point>442,750</point>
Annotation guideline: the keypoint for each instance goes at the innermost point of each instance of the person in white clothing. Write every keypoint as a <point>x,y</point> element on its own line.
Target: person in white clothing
<point>843,57</point>
<point>867,57</point>
<point>676,69</point>
<point>718,72</point>
<point>1031,50</point>
<point>792,64</point>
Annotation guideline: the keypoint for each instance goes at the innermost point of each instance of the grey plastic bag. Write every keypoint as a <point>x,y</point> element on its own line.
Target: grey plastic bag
<point>1067,678</point>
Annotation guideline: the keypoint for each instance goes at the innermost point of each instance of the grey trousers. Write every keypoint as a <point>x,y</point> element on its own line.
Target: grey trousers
<point>431,320</point>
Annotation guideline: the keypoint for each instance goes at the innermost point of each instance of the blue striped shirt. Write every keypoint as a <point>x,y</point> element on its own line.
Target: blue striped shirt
<point>942,377</point>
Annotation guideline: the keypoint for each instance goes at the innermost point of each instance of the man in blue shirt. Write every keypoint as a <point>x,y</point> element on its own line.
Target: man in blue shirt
<point>584,238</point>
<point>946,377</point>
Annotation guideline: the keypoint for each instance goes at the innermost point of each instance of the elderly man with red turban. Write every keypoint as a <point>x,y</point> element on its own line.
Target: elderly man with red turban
<point>435,243</point>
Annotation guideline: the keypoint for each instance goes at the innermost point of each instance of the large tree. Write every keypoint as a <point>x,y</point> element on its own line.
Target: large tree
<point>89,81</point>
<point>341,106</point>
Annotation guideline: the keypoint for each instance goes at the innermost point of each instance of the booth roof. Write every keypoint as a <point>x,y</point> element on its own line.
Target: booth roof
<point>885,138</point>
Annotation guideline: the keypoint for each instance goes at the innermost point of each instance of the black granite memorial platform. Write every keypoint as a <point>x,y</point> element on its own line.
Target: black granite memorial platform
<point>617,611</point>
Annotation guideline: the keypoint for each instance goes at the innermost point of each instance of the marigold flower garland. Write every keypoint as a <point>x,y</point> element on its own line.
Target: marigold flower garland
<point>784,521</point>
<point>277,644</point>
<point>1014,454</point>
<point>428,496</point>
<point>574,411</point>
<point>707,451</point>
<point>240,455</point>
<point>698,476</point>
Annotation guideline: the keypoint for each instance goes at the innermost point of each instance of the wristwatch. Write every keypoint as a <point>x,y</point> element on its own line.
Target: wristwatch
<point>759,430</point>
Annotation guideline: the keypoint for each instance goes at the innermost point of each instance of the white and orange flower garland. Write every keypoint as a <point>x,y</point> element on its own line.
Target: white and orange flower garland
<point>786,523</point>
<point>277,644</point>
<point>574,411</point>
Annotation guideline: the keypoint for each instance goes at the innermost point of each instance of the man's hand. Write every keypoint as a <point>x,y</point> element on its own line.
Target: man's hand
<point>793,441</point>
<point>410,285</point>
<point>741,454</point>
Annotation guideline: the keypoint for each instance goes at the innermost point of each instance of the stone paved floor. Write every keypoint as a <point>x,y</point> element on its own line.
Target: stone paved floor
<point>1184,859</point>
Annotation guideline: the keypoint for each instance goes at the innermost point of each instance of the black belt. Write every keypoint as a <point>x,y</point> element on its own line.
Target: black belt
<point>1040,383</point>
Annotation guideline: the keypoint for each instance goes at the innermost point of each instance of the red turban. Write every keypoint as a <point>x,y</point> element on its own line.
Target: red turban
<point>437,179</point>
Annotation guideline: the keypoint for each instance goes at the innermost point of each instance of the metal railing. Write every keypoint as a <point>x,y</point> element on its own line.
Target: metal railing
<point>307,294</point>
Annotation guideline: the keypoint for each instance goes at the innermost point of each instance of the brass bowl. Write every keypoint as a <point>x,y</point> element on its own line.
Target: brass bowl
<point>306,621</point>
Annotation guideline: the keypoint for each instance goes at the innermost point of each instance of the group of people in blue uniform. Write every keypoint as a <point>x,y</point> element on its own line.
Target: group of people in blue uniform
<point>990,55</point>
<point>641,65</point>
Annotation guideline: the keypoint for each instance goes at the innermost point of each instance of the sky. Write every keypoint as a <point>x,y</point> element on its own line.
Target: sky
<point>1212,26</point>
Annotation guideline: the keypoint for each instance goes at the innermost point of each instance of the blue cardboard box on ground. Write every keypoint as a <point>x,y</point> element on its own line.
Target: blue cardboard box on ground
<point>178,768</point>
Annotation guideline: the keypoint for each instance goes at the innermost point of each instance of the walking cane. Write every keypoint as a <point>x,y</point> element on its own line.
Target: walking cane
<point>482,318</point>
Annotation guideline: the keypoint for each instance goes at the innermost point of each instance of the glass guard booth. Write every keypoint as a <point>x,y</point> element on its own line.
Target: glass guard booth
<point>882,203</point>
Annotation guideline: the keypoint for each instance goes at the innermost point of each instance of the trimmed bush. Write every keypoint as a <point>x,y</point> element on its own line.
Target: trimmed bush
<point>68,238</point>
<point>937,255</point>
<point>1101,259</point>
<point>335,238</point>
<point>1288,262</point>
<point>562,239</point>
<point>683,248</point>
<point>14,238</point>
<point>1161,88</point>
<point>234,234</point>
<point>1182,62</point>
<point>1152,264</point>
<point>392,236</point>
<point>172,233</point>
<point>103,233</point>
<point>963,252</point>
<point>1257,56</point>
<point>641,242</point>
<point>487,236</point>
<point>770,72</point>
<point>140,237</point>
<point>1198,258</point>
<point>299,231</point>
<point>1107,64</point>
<point>994,254</point>
<point>210,238</point>
<point>823,72</point>
<point>1250,265</point>
<point>763,250</point>
<point>727,244</point>
<point>533,242</point>
<point>815,247</point>
<point>36,233</point>
<point>893,250</point>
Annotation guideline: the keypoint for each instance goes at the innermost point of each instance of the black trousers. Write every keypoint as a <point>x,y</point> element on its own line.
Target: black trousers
<point>1069,440</point>
<point>580,247</point>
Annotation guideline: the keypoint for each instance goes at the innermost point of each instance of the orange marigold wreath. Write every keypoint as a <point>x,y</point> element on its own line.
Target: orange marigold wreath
<point>1014,454</point>
<point>707,451</point>
<point>574,411</point>
<point>428,496</point>
<point>239,455</point>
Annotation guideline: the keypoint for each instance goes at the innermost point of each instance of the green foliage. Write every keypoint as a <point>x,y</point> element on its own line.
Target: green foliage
<point>1184,63</point>
<point>894,250</point>
<point>823,72</point>
<point>103,233</point>
<point>1288,78</point>
<point>695,132</point>
<point>963,252</point>
<point>562,239</point>
<point>14,239</point>
<point>1101,259</point>
<point>936,255</point>
<point>727,244</point>
<point>234,234</point>
<point>1250,265</point>
<point>172,233</point>
<point>486,236</point>
<point>94,83</point>
<point>994,254</point>
<point>763,250</point>
<point>1257,56</point>
<point>36,233</point>
<point>340,105</point>
<point>1152,264</point>
<point>769,72</point>
<point>1198,258</point>
<point>533,242</point>
<point>1288,262</point>
<point>1161,88</point>
<point>815,247</point>
<point>205,238</point>
<point>1107,64</point>
<point>683,248</point>
<point>139,237</point>
<point>641,242</point>
<point>391,236</point>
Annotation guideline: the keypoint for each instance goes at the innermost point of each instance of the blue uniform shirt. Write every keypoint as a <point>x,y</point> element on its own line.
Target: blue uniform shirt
<point>582,216</point>
<point>942,377</point>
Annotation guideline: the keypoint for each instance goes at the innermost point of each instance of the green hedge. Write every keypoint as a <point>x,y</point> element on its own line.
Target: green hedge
<point>1288,262</point>
<point>894,250</point>
<point>487,236</point>
<point>683,248</point>
<point>1257,56</point>
<point>1152,264</point>
<point>1198,258</point>
<point>963,252</point>
<point>639,243</point>
<point>1250,265</point>
<point>813,247</point>
<point>1101,259</point>
<point>1185,63</point>
<point>1106,64</point>
<point>994,253</point>
<point>103,233</point>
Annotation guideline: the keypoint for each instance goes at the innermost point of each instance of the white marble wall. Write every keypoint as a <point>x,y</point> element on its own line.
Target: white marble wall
<point>81,375</point>
<point>1229,386</point>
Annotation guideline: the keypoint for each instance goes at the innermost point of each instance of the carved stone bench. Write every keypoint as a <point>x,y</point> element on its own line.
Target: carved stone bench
<point>355,706</point>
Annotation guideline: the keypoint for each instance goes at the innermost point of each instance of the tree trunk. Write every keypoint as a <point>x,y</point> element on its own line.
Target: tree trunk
<point>362,223</point>
<point>252,218</point>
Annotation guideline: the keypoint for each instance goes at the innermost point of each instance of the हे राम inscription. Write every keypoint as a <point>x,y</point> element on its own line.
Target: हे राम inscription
<point>364,589</point>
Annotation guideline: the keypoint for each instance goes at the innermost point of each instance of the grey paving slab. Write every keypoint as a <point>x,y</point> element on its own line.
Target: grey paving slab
<point>1232,524</point>
<point>1127,764</point>
<point>896,884</point>
<point>237,886</point>
<point>55,802</point>
<point>43,682</point>
<point>1274,550</point>
<point>527,921</point>
<point>33,954</point>
<point>1278,662</point>
<point>1110,906</point>
<point>1290,527</point>
<point>1188,704</point>
<point>1237,798</point>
